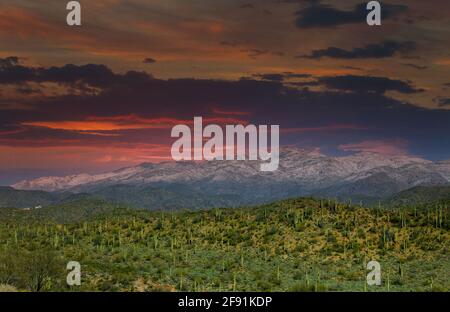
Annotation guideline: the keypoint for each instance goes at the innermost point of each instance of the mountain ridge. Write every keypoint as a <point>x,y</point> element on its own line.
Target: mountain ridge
<point>234,183</point>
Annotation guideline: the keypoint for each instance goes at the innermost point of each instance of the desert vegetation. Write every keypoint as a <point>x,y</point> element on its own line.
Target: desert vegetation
<point>292,245</point>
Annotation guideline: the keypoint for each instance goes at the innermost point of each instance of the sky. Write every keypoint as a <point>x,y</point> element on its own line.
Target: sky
<point>106,94</point>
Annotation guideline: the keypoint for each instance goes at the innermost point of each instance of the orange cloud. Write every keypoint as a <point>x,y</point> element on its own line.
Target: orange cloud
<point>442,62</point>
<point>83,158</point>
<point>128,122</point>
<point>15,131</point>
<point>96,125</point>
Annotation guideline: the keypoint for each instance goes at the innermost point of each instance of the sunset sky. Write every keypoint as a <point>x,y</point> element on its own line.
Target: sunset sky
<point>106,95</point>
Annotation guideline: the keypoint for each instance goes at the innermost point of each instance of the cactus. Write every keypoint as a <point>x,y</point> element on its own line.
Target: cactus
<point>181,281</point>
<point>155,241</point>
<point>388,280</point>
<point>400,270</point>
<point>278,273</point>
<point>56,240</point>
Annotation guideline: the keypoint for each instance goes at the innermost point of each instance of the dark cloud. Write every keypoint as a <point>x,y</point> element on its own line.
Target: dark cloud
<point>321,15</point>
<point>291,75</point>
<point>12,72</point>
<point>281,77</point>
<point>268,102</point>
<point>9,61</point>
<point>380,50</point>
<point>367,84</point>
<point>25,89</point>
<point>149,60</point>
<point>305,83</point>
<point>442,102</point>
<point>255,53</point>
<point>271,77</point>
<point>418,67</point>
<point>91,74</point>
<point>352,67</point>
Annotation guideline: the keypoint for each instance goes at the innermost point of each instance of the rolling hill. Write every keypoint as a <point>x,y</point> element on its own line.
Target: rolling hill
<point>421,195</point>
<point>10,197</point>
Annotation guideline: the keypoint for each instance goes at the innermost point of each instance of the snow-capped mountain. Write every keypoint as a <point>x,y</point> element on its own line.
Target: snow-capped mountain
<point>301,172</point>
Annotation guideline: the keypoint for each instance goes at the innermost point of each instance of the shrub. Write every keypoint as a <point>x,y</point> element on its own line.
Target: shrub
<point>7,288</point>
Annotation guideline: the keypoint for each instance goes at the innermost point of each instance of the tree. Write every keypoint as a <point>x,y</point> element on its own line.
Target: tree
<point>41,269</point>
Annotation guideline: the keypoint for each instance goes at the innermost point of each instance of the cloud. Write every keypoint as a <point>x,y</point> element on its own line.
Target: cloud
<point>15,130</point>
<point>385,147</point>
<point>149,60</point>
<point>291,75</point>
<point>367,84</point>
<point>380,50</point>
<point>93,75</point>
<point>442,102</point>
<point>271,77</point>
<point>305,83</point>
<point>13,73</point>
<point>279,77</point>
<point>27,90</point>
<point>136,108</point>
<point>321,15</point>
<point>418,67</point>
<point>9,61</point>
<point>255,53</point>
<point>130,122</point>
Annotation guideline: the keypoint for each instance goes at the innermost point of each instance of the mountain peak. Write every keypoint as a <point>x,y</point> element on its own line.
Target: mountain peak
<point>301,172</point>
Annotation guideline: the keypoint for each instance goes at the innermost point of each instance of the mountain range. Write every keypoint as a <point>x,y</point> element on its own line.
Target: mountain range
<point>362,176</point>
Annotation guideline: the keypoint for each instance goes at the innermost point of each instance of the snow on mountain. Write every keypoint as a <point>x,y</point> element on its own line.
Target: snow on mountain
<point>299,171</point>
<point>444,168</point>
